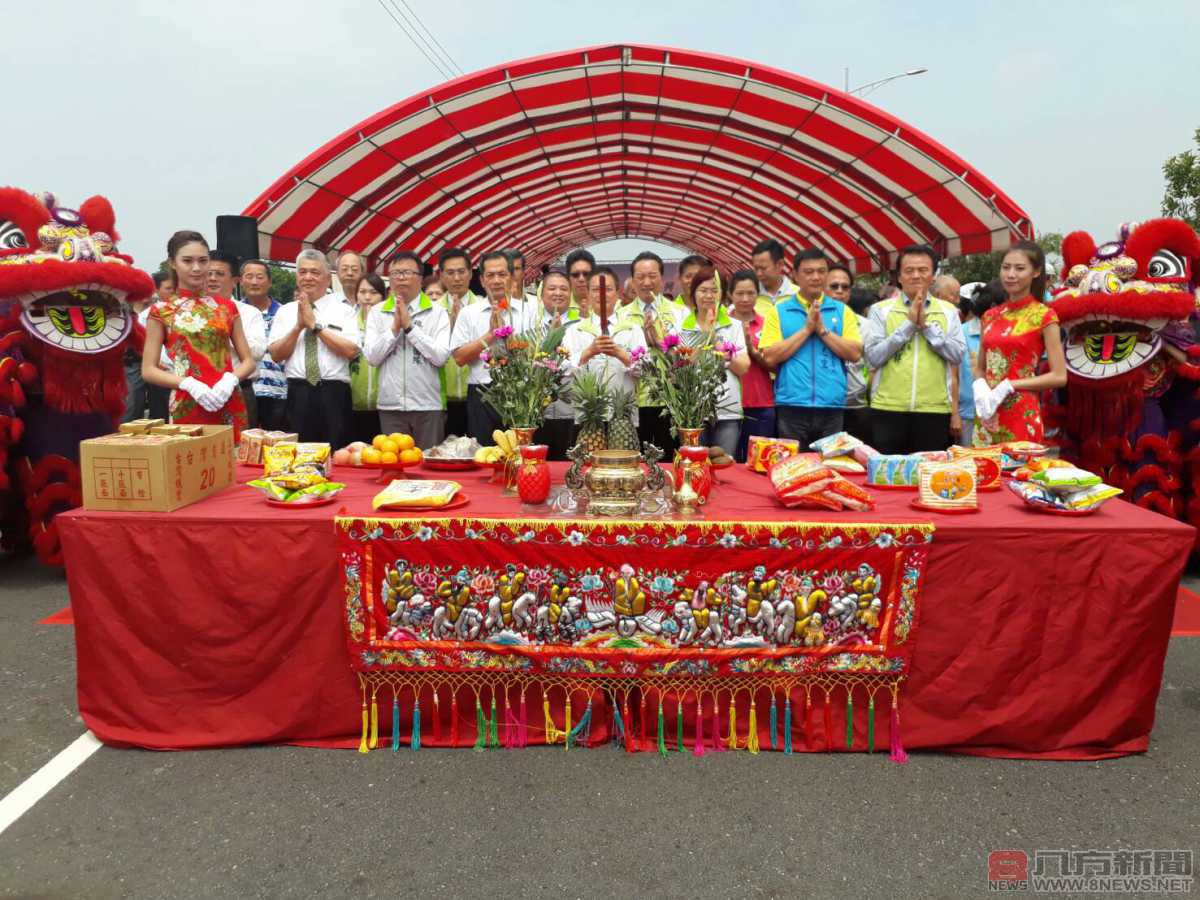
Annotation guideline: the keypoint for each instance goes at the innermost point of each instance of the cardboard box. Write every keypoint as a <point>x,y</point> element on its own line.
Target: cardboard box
<point>155,473</point>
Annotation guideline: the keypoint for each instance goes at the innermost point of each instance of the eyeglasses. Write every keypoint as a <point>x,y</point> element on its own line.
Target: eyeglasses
<point>839,286</point>
<point>580,273</point>
<point>404,273</point>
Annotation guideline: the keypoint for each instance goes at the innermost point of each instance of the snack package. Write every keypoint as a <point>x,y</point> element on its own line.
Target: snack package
<point>1064,479</point>
<point>988,464</point>
<point>280,437</point>
<point>278,458</point>
<point>1091,497</point>
<point>250,446</point>
<point>851,495</point>
<point>804,480</point>
<point>401,494</point>
<point>763,452</point>
<point>835,444</point>
<point>316,455</point>
<point>893,470</point>
<point>297,478</point>
<point>864,453</point>
<point>315,492</point>
<point>948,485</point>
<point>271,488</point>
<point>846,464</point>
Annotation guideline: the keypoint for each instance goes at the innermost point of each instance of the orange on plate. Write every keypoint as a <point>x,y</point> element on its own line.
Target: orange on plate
<point>377,441</point>
<point>410,456</point>
<point>388,458</point>
<point>371,456</point>
<point>389,446</point>
<point>405,441</point>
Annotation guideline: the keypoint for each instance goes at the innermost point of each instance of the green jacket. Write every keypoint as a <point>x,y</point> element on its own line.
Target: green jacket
<point>911,367</point>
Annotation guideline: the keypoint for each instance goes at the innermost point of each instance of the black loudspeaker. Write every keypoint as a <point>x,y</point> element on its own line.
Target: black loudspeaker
<point>237,236</point>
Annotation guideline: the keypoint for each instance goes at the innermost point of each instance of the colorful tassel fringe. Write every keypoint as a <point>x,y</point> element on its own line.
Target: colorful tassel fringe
<point>618,735</point>
<point>582,731</point>
<point>366,729</point>
<point>787,725</point>
<point>524,719</point>
<point>374,722</point>
<point>774,724</point>
<point>662,743</point>
<point>395,724</point>
<point>849,720</point>
<point>752,737</point>
<point>871,725</point>
<point>493,739</point>
<point>898,755</point>
<point>480,727</point>
<point>698,742</point>
<point>679,726</point>
<point>414,740</point>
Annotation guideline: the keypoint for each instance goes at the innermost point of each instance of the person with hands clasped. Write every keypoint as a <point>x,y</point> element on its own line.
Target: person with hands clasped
<point>408,338</point>
<point>315,338</point>
<point>911,340</point>
<point>201,334</point>
<point>611,356</point>
<point>475,330</point>
<point>810,338</point>
<point>1014,337</point>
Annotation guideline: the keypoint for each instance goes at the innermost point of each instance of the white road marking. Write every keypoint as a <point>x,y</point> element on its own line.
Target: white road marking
<point>23,797</point>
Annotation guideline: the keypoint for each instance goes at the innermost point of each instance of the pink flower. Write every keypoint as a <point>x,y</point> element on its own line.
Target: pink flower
<point>502,332</point>
<point>483,584</point>
<point>671,340</point>
<point>426,582</point>
<point>637,354</point>
<point>727,347</point>
<point>485,356</point>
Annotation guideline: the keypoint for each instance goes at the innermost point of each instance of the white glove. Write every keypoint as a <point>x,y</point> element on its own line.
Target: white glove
<point>984,408</point>
<point>223,389</point>
<point>1000,393</point>
<point>200,392</point>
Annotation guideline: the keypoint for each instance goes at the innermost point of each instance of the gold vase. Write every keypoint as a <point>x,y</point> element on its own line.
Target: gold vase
<point>614,483</point>
<point>689,437</point>
<point>512,464</point>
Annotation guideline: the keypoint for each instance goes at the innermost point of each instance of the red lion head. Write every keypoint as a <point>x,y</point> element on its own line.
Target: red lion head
<point>61,275</point>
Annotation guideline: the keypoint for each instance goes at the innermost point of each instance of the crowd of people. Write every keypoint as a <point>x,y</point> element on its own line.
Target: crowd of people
<point>917,365</point>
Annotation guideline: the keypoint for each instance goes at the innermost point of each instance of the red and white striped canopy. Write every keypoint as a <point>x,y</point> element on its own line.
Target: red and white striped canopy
<point>704,152</point>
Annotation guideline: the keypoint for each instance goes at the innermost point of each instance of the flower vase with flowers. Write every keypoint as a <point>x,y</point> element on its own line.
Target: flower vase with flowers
<point>686,376</point>
<point>527,374</point>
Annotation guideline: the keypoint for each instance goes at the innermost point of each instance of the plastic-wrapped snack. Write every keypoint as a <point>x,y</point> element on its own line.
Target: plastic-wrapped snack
<point>864,453</point>
<point>851,495</point>
<point>845,464</point>
<point>836,444</point>
<point>317,455</point>
<point>316,492</point>
<point>1090,497</point>
<point>271,488</point>
<point>1065,479</point>
<point>763,452</point>
<point>988,464</point>
<point>797,476</point>
<point>299,477</point>
<point>278,458</point>
<point>401,494</point>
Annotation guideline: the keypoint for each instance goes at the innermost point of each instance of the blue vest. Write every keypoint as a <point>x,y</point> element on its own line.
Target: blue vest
<point>814,376</point>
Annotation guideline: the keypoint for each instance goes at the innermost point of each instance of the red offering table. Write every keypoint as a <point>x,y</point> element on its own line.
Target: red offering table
<point>223,623</point>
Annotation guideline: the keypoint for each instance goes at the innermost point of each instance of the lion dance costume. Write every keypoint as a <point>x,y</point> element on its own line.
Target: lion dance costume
<point>1132,410</point>
<point>65,326</point>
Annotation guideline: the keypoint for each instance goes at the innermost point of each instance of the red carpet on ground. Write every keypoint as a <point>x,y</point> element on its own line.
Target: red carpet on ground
<point>63,617</point>
<point>1187,615</point>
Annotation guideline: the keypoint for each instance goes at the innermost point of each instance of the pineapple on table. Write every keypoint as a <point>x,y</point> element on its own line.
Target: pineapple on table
<point>622,433</point>
<point>592,400</point>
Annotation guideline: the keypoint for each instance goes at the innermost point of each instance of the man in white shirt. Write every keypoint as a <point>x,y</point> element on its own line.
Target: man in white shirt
<point>408,340</point>
<point>558,428</point>
<point>608,355</point>
<point>769,266</point>
<point>656,316</point>
<point>349,274</point>
<point>454,269</point>
<point>222,282</point>
<point>474,332</point>
<point>315,338</point>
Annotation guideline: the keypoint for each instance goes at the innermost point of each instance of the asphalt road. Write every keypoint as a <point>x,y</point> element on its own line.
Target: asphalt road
<point>291,822</point>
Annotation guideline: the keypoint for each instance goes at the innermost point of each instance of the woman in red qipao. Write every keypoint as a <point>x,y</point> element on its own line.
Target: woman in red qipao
<point>1015,336</point>
<point>199,332</point>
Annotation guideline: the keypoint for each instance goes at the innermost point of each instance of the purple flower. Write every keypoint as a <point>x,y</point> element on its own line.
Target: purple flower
<point>637,354</point>
<point>671,340</point>
<point>502,332</point>
<point>485,356</point>
<point>727,347</point>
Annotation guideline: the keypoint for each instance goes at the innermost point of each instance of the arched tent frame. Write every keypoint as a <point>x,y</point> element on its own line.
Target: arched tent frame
<point>704,152</point>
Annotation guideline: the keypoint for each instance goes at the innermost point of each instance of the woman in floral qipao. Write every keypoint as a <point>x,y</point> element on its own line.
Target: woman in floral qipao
<point>200,332</point>
<point>1015,336</point>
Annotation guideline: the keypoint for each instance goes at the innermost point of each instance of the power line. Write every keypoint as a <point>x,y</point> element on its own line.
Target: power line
<point>436,42</point>
<point>442,70</point>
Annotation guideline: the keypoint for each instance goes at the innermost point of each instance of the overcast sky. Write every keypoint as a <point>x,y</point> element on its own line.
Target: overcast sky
<point>180,111</point>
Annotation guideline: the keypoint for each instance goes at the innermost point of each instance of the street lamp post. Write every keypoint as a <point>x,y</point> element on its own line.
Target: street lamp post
<point>864,89</point>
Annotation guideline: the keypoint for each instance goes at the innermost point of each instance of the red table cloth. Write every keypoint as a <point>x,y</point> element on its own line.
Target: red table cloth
<point>221,623</point>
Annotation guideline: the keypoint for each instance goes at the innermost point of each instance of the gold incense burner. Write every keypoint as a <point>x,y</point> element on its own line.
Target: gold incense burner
<point>613,482</point>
